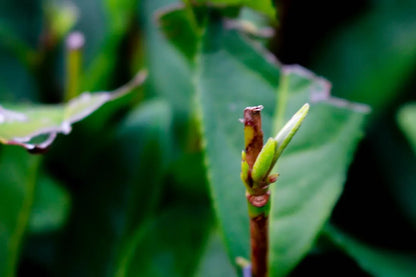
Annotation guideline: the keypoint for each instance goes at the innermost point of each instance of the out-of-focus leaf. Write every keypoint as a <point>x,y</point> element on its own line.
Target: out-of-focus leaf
<point>370,59</point>
<point>232,74</point>
<point>25,18</point>
<point>169,71</point>
<point>188,173</point>
<point>254,24</point>
<point>378,262</point>
<point>18,174</point>
<point>214,261</point>
<point>50,207</point>
<point>397,162</point>
<point>407,121</point>
<point>16,59</point>
<point>170,246</point>
<point>20,123</point>
<point>264,6</point>
<point>179,22</point>
<point>120,192</point>
<point>11,42</point>
<point>105,24</point>
<point>16,81</point>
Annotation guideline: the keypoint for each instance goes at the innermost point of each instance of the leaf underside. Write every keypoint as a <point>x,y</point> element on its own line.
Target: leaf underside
<point>20,124</point>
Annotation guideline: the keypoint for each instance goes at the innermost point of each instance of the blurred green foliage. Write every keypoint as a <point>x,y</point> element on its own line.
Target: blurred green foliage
<point>148,184</point>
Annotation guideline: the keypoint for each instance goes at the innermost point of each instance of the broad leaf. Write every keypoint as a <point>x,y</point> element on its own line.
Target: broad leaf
<point>231,74</point>
<point>20,123</point>
<point>18,174</point>
<point>170,71</point>
<point>50,206</point>
<point>407,118</point>
<point>378,262</point>
<point>313,168</point>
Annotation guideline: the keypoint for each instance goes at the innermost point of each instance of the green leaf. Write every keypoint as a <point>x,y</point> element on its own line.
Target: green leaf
<point>16,58</point>
<point>407,118</point>
<point>18,174</point>
<point>51,206</point>
<point>26,22</point>
<point>170,245</point>
<point>376,261</point>
<point>214,260</point>
<point>20,123</point>
<point>231,74</point>
<point>170,71</point>
<point>175,23</point>
<point>312,169</point>
<point>120,192</point>
<point>105,26</point>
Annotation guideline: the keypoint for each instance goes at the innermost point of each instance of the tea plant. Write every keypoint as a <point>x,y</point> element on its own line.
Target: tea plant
<point>148,182</point>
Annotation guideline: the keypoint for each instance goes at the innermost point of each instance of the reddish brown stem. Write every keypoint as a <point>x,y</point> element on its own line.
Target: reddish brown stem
<point>258,198</point>
<point>259,229</point>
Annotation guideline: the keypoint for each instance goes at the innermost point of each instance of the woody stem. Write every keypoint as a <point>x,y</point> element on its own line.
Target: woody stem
<point>257,198</point>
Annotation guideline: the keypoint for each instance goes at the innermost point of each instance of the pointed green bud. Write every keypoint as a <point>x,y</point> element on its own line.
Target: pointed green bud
<point>289,130</point>
<point>264,161</point>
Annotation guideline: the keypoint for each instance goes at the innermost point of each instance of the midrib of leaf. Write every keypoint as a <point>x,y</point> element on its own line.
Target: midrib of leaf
<point>22,220</point>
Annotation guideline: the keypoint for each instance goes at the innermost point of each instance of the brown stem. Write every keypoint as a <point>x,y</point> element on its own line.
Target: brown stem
<point>259,228</point>
<point>258,198</point>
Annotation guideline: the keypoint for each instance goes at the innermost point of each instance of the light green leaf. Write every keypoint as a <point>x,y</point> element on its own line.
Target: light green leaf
<point>376,261</point>
<point>20,123</point>
<point>50,207</point>
<point>407,121</point>
<point>287,132</point>
<point>231,74</point>
<point>18,174</point>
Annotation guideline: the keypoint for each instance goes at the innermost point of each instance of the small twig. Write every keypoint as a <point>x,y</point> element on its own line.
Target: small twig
<point>256,166</point>
<point>257,197</point>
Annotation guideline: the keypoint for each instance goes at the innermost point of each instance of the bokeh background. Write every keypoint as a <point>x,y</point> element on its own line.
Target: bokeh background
<point>87,205</point>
